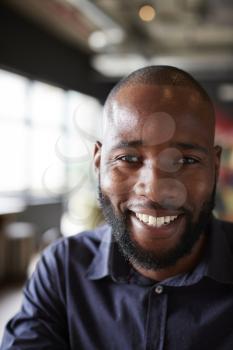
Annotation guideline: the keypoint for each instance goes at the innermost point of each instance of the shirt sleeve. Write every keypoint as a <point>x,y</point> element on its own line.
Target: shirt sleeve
<point>41,323</point>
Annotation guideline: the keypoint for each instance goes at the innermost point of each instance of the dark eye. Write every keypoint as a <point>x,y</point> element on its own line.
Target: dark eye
<point>129,159</point>
<point>188,161</point>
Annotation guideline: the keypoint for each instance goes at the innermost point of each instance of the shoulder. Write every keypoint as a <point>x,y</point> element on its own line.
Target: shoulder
<point>81,247</point>
<point>227,228</point>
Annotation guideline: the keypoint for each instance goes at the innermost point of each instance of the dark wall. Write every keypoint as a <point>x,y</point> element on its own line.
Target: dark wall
<point>44,216</point>
<point>32,51</point>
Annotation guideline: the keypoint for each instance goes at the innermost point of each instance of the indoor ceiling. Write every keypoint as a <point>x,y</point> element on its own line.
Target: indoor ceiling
<point>193,34</point>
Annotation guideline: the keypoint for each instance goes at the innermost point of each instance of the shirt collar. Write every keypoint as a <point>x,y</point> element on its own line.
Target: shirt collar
<point>216,264</point>
<point>108,260</point>
<point>99,267</point>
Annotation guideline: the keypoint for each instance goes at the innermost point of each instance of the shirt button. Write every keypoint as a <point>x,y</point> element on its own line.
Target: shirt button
<point>159,289</point>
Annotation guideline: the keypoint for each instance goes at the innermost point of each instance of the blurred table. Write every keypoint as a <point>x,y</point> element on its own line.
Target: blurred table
<point>10,205</point>
<point>9,208</point>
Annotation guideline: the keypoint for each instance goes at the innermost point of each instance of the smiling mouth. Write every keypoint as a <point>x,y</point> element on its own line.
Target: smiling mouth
<point>156,221</point>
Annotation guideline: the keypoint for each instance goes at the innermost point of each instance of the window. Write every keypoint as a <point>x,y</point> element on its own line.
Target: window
<point>45,136</point>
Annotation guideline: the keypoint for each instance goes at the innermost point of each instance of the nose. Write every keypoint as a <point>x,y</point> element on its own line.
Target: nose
<point>160,187</point>
<point>149,182</point>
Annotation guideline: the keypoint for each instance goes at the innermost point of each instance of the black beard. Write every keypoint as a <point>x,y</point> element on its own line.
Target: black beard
<point>147,259</point>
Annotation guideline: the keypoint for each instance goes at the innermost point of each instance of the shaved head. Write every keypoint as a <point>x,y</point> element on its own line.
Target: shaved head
<point>166,78</point>
<point>159,75</point>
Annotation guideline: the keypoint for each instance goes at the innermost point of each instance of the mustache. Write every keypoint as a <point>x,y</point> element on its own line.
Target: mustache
<point>148,204</point>
<point>156,206</point>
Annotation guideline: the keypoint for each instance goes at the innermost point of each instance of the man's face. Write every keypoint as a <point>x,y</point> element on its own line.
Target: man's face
<point>157,172</point>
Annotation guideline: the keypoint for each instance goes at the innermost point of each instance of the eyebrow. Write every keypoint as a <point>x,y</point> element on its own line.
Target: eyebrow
<point>127,144</point>
<point>187,146</point>
<point>181,145</point>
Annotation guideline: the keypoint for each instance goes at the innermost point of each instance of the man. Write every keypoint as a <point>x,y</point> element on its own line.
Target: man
<point>159,275</point>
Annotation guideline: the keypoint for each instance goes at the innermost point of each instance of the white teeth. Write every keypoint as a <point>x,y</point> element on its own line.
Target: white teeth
<point>155,221</point>
<point>152,220</point>
<point>160,221</point>
<point>145,218</point>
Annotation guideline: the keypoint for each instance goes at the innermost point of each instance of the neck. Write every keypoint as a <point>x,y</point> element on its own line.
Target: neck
<point>183,265</point>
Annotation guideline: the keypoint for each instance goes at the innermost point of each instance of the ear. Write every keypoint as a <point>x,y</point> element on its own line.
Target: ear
<point>217,154</point>
<point>97,155</point>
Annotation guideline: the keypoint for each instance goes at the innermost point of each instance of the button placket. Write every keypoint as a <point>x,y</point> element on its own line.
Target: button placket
<point>156,318</point>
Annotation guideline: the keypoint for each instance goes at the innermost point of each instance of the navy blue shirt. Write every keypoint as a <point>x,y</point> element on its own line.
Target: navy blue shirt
<point>85,296</point>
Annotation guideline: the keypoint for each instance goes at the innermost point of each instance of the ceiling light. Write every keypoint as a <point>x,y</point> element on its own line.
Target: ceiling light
<point>97,40</point>
<point>147,13</point>
<point>118,65</point>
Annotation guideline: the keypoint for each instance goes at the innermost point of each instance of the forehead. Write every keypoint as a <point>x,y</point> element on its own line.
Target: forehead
<point>159,112</point>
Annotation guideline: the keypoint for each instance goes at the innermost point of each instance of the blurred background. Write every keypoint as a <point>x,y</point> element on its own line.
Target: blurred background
<point>58,61</point>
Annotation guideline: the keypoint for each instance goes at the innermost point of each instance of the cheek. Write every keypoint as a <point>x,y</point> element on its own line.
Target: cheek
<point>116,183</point>
<point>199,190</point>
